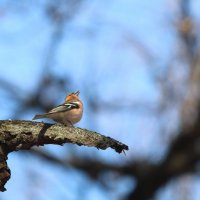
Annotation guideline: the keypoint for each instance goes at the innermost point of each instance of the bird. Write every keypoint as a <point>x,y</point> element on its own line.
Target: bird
<point>68,113</point>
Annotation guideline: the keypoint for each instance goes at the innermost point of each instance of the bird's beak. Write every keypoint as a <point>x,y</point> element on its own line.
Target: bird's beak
<point>77,93</point>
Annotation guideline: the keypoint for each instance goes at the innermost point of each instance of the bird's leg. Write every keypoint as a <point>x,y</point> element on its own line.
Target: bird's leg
<point>70,123</point>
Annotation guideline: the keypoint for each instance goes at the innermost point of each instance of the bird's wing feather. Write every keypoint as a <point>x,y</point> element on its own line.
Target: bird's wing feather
<point>64,107</point>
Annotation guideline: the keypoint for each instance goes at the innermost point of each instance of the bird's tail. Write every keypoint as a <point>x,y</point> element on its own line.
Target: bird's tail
<point>40,116</point>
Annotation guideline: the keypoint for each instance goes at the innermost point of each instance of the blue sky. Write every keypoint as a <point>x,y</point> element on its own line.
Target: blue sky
<point>103,48</point>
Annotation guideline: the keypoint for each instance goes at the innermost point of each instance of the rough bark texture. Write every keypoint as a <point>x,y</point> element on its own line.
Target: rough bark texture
<point>17,135</point>
<point>4,170</point>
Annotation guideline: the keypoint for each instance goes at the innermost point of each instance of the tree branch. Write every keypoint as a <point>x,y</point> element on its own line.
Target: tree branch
<point>18,135</point>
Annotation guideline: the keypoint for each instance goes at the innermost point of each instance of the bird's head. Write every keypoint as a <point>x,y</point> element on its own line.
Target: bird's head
<point>72,97</point>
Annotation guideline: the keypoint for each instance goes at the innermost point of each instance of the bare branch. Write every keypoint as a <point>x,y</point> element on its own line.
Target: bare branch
<point>18,135</point>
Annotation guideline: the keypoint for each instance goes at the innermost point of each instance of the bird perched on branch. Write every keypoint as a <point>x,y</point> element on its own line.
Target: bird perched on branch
<point>68,113</point>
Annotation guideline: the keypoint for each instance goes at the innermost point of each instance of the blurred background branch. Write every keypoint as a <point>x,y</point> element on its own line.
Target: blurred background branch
<point>138,69</point>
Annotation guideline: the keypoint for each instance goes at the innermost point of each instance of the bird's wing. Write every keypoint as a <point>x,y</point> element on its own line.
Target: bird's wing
<point>64,107</point>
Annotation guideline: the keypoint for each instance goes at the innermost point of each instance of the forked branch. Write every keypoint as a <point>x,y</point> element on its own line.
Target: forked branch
<point>19,135</point>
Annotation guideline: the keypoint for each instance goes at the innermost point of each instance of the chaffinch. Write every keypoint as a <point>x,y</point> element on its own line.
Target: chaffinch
<point>68,113</point>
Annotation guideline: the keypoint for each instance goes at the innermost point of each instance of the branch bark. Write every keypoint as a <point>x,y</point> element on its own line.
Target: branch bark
<point>19,135</point>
